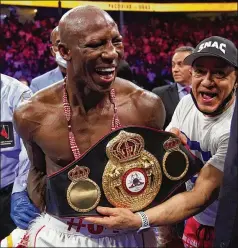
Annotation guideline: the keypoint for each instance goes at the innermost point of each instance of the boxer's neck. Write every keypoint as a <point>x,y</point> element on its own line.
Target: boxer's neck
<point>83,99</point>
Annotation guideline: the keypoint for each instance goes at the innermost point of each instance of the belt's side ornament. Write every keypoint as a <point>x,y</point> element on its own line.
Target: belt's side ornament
<point>132,176</point>
<point>83,194</point>
<point>172,155</point>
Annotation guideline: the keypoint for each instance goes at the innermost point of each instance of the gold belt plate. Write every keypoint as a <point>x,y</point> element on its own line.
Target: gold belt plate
<point>132,177</point>
<point>83,194</point>
<point>172,155</point>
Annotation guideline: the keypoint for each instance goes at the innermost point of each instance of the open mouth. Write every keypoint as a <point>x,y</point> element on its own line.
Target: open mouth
<point>106,74</point>
<point>207,96</point>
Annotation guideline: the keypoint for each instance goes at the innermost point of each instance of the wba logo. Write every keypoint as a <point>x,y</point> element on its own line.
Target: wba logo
<point>215,44</point>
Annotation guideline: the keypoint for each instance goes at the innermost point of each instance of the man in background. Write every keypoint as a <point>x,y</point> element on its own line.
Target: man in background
<point>14,160</point>
<point>172,94</point>
<point>56,74</point>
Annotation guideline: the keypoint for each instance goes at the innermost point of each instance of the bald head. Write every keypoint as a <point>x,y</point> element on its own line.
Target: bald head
<point>79,20</point>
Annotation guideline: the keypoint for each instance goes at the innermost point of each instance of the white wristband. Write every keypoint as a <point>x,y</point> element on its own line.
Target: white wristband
<point>145,224</point>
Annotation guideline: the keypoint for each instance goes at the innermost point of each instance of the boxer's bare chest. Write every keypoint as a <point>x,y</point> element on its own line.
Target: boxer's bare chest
<point>53,134</point>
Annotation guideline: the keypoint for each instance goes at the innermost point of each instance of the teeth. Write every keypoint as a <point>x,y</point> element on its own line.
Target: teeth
<point>106,69</point>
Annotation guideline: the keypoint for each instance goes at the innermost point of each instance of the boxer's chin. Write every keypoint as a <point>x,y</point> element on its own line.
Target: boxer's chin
<point>101,87</point>
<point>97,88</point>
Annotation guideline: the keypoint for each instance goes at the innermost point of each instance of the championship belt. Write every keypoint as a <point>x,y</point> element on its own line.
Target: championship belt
<point>132,167</point>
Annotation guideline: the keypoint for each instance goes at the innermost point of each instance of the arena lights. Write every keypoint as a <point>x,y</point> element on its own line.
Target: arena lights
<point>129,6</point>
<point>32,3</point>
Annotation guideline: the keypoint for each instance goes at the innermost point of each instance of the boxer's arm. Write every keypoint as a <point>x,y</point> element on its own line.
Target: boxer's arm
<point>26,127</point>
<point>157,114</point>
<point>22,209</point>
<point>36,183</point>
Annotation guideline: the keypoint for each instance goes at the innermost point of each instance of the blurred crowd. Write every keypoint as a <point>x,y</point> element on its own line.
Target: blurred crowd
<point>149,47</point>
<point>25,53</point>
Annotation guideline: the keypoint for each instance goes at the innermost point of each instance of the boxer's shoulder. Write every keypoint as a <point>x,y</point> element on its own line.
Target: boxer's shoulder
<point>146,103</point>
<point>32,113</point>
<point>49,95</point>
<point>136,94</point>
<point>41,100</point>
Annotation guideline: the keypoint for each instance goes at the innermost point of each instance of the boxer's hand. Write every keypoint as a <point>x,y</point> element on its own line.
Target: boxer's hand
<point>22,210</point>
<point>116,218</point>
<point>180,135</point>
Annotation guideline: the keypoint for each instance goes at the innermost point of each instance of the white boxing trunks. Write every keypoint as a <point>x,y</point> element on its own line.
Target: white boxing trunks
<point>48,231</point>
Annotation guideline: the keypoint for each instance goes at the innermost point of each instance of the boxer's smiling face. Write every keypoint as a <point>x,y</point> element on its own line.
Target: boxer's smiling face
<point>212,81</point>
<point>98,53</point>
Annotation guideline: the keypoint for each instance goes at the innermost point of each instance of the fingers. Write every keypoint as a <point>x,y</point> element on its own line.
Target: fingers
<point>21,224</point>
<point>107,211</point>
<point>180,135</point>
<point>26,207</point>
<point>119,219</point>
<point>32,213</point>
<point>32,208</point>
<point>24,217</point>
<point>175,131</point>
<point>107,220</point>
<point>21,221</point>
<point>183,139</point>
<point>103,221</point>
<point>29,211</point>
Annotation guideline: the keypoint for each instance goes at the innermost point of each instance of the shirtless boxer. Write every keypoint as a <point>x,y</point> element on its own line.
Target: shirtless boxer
<point>99,102</point>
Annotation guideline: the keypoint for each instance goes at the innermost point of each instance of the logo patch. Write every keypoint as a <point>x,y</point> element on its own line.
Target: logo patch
<point>6,135</point>
<point>135,181</point>
<point>215,44</point>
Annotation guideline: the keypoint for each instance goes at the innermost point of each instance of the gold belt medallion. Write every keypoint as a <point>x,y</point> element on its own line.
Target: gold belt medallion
<point>173,154</point>
<point>132,176</point>
<point>83,194</point>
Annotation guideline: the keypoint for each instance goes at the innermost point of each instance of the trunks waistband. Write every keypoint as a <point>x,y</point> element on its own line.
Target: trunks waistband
<point>78,226</point>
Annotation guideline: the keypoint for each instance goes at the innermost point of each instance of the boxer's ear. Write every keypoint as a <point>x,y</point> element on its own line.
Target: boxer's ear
<point>64,51</point>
